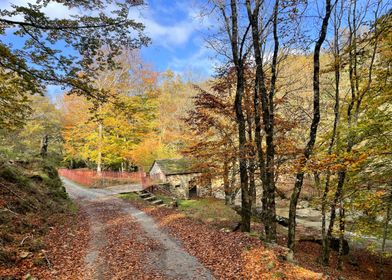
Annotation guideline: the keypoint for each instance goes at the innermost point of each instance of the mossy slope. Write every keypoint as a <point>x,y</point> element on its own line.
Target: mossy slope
<point>31,195</point>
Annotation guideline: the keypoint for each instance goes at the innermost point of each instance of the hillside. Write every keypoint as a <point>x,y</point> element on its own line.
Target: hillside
<point>32,199</point>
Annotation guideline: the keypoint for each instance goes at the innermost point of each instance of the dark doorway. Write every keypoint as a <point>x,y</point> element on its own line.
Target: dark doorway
<point>193,192</point>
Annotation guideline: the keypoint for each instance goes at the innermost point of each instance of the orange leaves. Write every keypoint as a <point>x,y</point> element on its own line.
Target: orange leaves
<point>347,161</point>
<point>229,255</point>
<point>262,263</point>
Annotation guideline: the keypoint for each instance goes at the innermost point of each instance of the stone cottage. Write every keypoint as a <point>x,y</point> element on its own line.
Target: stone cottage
<point>177,175</point>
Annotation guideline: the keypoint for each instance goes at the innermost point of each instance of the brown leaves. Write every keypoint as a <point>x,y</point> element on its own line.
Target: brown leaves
<point>229,255</point>
<point>126,253</point>
<point>63,257</point>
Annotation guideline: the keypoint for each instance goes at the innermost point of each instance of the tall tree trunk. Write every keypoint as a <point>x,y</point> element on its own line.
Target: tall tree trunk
<point>313,128</point>
<point>269,125</point>
<point>342,224</point>
<point>251,161</point>
<point>256,105</point>
<point>44,146</point>
<point>245,196</point>
<point>354,105</point>
<point>238,60</point>
<point>99,158</point>
<point>267,106</point>
<point>387,219</point>
<point>336,51</point>
<point>336,200</point>
<point>259,141</point>
<point>226,184</point>
<point>233,182</point>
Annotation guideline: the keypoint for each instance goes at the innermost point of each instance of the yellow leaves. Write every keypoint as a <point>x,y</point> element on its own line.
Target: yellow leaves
<point>149,150</point>
<point>262,263</point>
<point>347,161</point>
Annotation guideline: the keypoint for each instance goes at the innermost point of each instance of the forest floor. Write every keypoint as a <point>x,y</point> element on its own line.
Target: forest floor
<point>205,232</point>
<point>116,238</point>
<point>127,243</point>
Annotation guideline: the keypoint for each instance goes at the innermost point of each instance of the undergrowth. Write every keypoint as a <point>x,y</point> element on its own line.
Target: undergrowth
<point>31,195</point>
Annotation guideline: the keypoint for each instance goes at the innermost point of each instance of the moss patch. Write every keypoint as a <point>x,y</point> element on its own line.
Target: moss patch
<point>31,195</point>
<point>129,196</point>
<point>209,210</point>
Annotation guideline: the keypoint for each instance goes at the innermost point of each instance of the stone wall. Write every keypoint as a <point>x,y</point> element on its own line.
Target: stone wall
<point>179,184</point>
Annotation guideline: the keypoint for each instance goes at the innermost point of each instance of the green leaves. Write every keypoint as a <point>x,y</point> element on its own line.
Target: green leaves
<point>57,51</point>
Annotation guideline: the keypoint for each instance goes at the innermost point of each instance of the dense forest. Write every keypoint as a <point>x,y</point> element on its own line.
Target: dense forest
<point>299,107</point>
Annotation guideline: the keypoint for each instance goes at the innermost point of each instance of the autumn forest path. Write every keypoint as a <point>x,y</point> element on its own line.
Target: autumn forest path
<point>127,243</point>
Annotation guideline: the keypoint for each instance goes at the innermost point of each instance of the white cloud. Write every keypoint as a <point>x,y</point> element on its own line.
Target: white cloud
<point>169,26</point>
<point>168,35</point>
<point>53,9</point>
<point>203,62</point>
<point>172,31</point>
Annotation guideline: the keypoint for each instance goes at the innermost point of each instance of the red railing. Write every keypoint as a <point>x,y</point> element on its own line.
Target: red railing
<point>89,178</point>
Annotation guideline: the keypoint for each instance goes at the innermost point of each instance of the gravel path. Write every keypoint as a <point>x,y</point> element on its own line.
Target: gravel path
<point>168,258</point>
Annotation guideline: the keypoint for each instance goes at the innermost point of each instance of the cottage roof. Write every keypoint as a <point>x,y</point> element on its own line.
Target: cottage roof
<point>175,166</point>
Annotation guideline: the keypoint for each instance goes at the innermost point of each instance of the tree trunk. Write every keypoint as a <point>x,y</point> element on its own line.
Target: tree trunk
<point>251,161</point>
<point>238,59</point>
<point>233,182</point>
<point>342,224</point>
<point>226,185</point>
<point>336,50</point>
<point>325,240</point>
<point>267,106</point>
<point>99,158</point>
<point>385,235</point>
<point>44,146</point>
<point>245,196</point>
<point>337,198</point>
<point>269,124</point>
<point>313,128</point>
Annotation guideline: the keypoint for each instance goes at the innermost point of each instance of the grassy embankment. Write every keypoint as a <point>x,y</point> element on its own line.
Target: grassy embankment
<point>32,199</point>
<point>209,210</point>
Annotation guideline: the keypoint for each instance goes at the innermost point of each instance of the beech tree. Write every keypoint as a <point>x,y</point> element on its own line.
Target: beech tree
<point>361,52</point>
<point>336,51</point>
<point>212,124</point>
<point>313,128</point>
<point>229,13</point>
<point>40,133</point>
<point>267,168</point>
<point>14,100</point>
<point>42,61</point>
<point>105,133</point>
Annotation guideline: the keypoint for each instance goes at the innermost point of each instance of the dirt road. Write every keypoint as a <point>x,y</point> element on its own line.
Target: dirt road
<point>126,243</point>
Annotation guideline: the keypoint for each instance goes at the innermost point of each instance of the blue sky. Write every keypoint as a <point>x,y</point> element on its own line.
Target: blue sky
<point>176,30</point>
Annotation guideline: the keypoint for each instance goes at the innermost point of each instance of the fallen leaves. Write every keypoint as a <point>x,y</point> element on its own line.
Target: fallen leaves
<point>236,255</point>
<point>126,249</point>
<point>63,257</point>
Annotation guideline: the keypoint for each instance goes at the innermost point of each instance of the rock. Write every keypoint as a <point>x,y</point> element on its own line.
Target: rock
<point>290,256</point>
<point>282,221</point>
<point>225,230</point>
<point>303,204</point>
<point>24,254</point>
<point>333,243</point>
